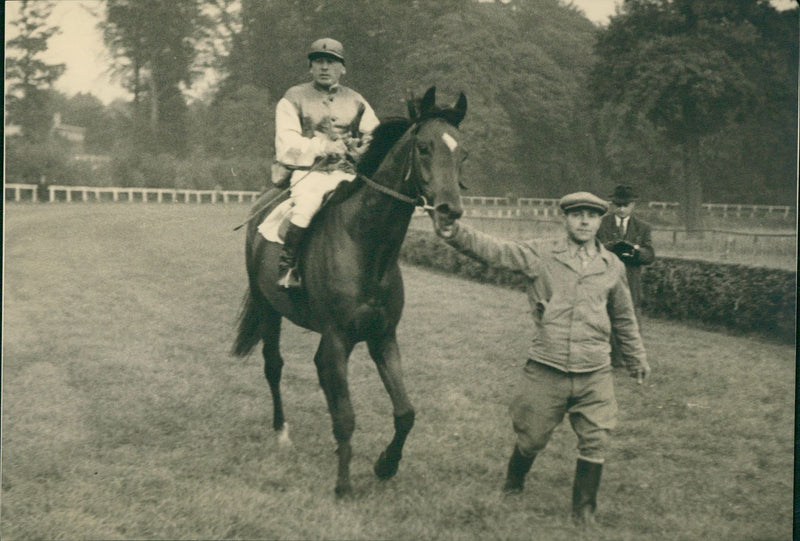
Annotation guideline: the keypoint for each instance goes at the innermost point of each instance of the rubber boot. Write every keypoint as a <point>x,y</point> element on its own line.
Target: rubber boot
<point>518,467</point>
<point>584,491</point>
<point>287,263</point>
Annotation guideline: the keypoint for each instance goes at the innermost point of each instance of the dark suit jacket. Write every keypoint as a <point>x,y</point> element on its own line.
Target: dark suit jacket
<point>638,232</point>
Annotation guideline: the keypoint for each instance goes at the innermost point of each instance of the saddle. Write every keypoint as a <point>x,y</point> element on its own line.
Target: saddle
<point>274,226</point>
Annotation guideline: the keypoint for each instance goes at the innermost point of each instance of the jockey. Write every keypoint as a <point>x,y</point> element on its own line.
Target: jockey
<point>321,128</point>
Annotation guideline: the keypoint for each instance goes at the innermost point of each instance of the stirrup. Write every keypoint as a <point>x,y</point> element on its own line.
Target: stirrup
<point>289,280</point>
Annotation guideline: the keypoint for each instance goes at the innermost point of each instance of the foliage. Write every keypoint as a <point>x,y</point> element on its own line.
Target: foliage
<point>741,298</point>
<point>134,169</point>
<point>548,111</point>
<point>28,77</point>
<point>696,70</point>
<point>238,124</point>
<point>748,299</point>
<point>28,162</point>
<point>153,45</point>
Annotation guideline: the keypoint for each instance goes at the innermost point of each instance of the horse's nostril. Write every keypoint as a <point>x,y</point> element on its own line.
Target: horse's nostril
<point>446,210</point>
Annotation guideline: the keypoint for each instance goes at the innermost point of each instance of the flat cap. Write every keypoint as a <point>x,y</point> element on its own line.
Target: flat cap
<point>326,47</point>
<point>583,200</point>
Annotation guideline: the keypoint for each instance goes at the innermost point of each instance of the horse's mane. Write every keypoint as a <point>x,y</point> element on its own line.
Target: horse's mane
<point>384,138</point>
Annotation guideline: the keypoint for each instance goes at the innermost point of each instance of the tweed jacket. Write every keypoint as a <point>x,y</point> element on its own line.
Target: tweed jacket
<point>308,117</point>
<point>637,232</point>
<point>574,309</point>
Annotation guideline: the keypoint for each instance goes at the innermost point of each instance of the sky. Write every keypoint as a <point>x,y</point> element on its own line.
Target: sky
<point>80,43</point>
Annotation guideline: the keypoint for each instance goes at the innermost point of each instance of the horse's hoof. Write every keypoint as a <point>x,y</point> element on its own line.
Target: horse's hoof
<point>284,441</point>
<point>385,468</point>
<point>343,491</point>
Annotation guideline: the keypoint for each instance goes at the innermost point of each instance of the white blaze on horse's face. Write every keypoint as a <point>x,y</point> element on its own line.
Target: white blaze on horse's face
<point>449,141</point>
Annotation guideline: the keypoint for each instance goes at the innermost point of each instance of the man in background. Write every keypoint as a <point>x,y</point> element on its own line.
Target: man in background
<point>630,239</point>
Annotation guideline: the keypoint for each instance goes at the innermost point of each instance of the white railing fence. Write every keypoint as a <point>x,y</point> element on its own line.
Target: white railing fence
<point>475,205</point>
<point>29,192</point>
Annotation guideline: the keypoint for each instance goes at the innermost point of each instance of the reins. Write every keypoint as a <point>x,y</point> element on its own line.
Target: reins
<point>420,201</point>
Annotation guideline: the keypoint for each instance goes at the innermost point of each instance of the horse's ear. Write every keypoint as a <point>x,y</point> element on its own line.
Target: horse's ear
<point>460,109</point>
<point>413,105</point>
<point>428,101</point>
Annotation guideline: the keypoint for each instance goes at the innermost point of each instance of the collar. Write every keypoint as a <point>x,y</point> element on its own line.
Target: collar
<point>589,247</point>
<point>563,248</point>
<point>562,252</point>
<point>330,90</point>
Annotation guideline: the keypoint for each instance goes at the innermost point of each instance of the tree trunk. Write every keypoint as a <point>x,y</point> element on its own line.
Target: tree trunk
<point>153,106</point>
<point>691,197</point>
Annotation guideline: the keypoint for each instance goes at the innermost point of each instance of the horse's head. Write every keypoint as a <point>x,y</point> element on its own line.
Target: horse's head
<point>439,155</point>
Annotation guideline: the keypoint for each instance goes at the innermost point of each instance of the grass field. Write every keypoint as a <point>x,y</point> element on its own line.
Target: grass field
<point>124,417</point>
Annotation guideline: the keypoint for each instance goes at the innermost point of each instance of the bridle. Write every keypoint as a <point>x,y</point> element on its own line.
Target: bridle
<point>420,201</point>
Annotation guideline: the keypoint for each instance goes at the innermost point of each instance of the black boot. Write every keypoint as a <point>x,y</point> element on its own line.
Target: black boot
<point>584,491</point>
<point>287,264</point>
<point>518,467</point>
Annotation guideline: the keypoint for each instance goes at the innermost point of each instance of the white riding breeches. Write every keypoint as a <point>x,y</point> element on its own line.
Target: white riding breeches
<point>308,191</point>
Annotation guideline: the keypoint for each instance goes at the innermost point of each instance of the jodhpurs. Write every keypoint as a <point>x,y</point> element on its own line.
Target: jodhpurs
<point>546,394</point>
<point>308,191</point>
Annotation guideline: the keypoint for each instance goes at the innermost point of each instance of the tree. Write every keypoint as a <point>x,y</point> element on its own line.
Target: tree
<point>29,78</point>
<point>692,69</point>
<point>153,43</point>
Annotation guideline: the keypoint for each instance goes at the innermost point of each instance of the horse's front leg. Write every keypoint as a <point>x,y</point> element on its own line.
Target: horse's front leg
<point>331,361</point>
<point>386,354</point>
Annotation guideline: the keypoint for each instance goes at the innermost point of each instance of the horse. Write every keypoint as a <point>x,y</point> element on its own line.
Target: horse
<point>352,288</point>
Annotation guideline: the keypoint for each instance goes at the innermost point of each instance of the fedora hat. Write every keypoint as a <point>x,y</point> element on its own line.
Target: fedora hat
<point>623,195</point>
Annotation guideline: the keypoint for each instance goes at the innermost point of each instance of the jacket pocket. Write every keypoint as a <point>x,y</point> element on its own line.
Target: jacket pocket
<point>539,310</point>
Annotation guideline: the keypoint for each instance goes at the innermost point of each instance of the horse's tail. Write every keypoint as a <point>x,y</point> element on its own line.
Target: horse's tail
<point>249,326</point>
<point>251,315</point>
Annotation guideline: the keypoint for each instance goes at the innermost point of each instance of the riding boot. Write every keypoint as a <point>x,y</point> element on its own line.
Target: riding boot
<point>584,491</point>
<point>287,263</point>
<point>518,467</point>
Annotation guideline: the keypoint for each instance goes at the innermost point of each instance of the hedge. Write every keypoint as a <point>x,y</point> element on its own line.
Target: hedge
<point>736,297</point>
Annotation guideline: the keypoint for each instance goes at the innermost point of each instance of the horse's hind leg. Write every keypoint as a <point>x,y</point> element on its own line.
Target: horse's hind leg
<point>386,354</point>
<point>273,367</point>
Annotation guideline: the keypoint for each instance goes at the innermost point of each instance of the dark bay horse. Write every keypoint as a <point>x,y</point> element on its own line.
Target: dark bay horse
<point>352,287</point>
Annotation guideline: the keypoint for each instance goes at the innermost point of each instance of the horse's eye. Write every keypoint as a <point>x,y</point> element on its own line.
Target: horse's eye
<point>424,148</point>
<point>464,156</point>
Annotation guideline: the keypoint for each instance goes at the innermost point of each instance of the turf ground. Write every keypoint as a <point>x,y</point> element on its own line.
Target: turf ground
<point>124,417</point>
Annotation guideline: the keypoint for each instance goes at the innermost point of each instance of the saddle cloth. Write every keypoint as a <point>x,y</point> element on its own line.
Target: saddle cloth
<point>275,224</point>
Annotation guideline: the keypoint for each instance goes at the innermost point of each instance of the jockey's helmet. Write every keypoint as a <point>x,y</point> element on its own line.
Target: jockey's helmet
<point>326,47</point>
